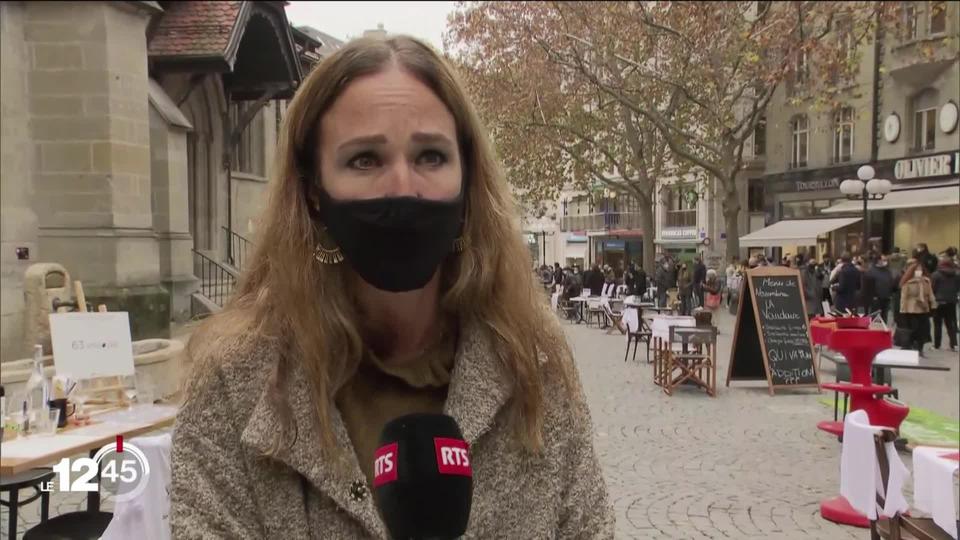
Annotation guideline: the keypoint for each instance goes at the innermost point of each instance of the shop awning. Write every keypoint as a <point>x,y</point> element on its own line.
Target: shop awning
<point>794,232</point>
<point>905,198</point>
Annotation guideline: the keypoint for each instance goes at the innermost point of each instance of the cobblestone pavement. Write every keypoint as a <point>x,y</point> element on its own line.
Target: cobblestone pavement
<point>742,465</point>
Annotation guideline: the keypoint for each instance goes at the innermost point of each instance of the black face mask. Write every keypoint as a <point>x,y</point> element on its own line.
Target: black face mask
<point>394,243</point>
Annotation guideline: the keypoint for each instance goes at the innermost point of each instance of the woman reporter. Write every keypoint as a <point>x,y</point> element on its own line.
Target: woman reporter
<point>383,284</point>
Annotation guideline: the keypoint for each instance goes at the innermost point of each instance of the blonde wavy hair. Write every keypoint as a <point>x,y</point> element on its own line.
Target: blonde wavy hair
<point>308,308</point>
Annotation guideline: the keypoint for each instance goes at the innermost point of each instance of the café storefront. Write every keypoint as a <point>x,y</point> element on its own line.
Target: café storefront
<point>923,206</point>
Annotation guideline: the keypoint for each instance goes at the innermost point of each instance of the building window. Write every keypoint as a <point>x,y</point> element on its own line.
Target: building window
<point>800,141</point>
<point>248,155</point>
<point>681,204</point>
<point>938,17</point>
<point>910,22</point>
<point>924,129</point>
<point>760,137</point>
<point>755,196</point>
<point>803,67</point>
<point>843,135</point>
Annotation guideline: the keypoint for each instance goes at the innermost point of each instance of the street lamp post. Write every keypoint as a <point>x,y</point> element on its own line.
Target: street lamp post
<point>865,188</point>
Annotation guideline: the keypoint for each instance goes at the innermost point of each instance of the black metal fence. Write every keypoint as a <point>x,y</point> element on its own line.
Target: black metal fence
<point>237,248</point>
<point>216,282</point>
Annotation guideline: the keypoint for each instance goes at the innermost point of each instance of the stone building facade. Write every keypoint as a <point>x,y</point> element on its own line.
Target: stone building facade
<point>810,149</point>
<point>136,134</point>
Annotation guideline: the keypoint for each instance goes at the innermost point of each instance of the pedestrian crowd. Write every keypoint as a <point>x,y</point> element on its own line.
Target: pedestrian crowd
<point>909,291</point>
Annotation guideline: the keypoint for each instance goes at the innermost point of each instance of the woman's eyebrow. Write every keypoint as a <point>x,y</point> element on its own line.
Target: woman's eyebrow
<point>431,138</point>
<point>364,141</point>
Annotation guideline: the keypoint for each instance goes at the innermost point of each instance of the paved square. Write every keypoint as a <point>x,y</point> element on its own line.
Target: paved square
<point>741,465</point>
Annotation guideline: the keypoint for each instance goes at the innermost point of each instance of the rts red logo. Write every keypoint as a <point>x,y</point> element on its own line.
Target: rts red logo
<point>385,465</point>
<point>453,456</point>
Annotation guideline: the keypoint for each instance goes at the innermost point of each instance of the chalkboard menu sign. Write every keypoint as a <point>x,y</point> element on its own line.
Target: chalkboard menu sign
<point>772,340</point>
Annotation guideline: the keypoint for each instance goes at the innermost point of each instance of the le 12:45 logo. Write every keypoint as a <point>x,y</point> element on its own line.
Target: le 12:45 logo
<point>119,469</point>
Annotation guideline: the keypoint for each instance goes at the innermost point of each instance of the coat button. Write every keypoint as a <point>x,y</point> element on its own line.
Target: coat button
<point>358,491</point>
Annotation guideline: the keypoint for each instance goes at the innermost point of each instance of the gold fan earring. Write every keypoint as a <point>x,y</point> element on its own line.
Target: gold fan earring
<point>458,245</point>
<point>327,255</point>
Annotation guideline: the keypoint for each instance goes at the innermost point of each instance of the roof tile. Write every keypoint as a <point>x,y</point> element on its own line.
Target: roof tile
<point>198,28</point>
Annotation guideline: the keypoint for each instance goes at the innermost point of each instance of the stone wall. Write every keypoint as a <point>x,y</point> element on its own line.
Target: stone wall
<point>91,137</point>
<point>18,224</point>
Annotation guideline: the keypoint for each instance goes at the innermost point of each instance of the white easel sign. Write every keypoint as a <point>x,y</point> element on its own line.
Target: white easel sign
<point>88,345</point>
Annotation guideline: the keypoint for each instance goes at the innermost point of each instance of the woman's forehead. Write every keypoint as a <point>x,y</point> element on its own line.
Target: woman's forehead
<point>389,102</point>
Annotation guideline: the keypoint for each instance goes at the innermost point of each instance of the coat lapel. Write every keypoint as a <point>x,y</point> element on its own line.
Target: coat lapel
<point>478,386</point>
<point>304,454</point>
<point>478,389</point>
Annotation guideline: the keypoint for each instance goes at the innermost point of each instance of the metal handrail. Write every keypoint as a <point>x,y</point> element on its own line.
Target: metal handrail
<point>216,282</point>
<point>237,247</point>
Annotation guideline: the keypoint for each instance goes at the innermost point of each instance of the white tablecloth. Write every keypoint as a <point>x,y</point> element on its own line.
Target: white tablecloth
<point>660,325</point>
<point>933,486</point>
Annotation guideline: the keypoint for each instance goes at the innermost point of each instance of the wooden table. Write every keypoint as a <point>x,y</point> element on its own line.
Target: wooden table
<point>24,453</point>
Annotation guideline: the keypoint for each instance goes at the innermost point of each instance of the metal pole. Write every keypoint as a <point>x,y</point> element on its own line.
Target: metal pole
<point>543,241</point>
<point>866,222</point>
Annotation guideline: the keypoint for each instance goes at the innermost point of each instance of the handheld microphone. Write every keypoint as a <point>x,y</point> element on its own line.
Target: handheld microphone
<point>423,481</point>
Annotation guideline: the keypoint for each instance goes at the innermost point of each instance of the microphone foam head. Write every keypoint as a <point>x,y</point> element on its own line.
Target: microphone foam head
<point>423,481</point>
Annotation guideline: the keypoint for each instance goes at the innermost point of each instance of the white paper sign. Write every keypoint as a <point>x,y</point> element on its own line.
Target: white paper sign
<point>87,345</point>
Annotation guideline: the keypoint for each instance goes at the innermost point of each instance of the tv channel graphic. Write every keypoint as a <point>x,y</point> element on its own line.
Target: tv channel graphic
<point>123,472</point>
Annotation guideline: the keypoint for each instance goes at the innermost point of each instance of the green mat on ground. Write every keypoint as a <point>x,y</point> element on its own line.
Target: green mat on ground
<point>923,427</point>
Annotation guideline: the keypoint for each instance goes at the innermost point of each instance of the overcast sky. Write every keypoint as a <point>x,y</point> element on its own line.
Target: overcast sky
<point>345,20</point>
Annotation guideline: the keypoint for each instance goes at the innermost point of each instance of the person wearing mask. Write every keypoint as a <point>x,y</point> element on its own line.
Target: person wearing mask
<point>685,289</point>
<point>729,272</point>
<point>927,259</point>
<point>665,280</point>
<point>383,284</point>
<point>916,304</point>
<point>711,290</point>
<point>846,277</point>
<point>699,276</point>
<point>811,278</point>
<point>557,274</point>
<point>946,286</point>
<point>879,281</point>
<point>630,279</point>
<point>641,280</point>
<point>897,263</point>
<point>866,292</point>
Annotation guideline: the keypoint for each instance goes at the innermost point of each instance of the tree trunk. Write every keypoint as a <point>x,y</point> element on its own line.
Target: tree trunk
<point>646,225</point>
<point>731,220</point>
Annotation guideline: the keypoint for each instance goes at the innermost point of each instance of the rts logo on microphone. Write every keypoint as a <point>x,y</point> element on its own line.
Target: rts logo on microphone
<point>453,456</point>
<point>385,465</point>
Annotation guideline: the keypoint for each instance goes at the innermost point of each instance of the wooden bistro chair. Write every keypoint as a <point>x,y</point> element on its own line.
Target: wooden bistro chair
<point>691,356</point>
<point>595,312</point>
<point>637,331</point>
<point>894,527</point>
<point>614,317</point>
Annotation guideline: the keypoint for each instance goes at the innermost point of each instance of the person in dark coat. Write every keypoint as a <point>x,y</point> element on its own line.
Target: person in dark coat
<point>685,290</point>
<point>927,259</point>
<point>946,286</point>
<point>879,281</point>
<point>699,276</point>
<point>630,279</point>
<point>641,280</point>
<point>812,279</point>
<point>848,284</point>
<point>595,281</point>
<point>665,279</point>
<point>557,274</point>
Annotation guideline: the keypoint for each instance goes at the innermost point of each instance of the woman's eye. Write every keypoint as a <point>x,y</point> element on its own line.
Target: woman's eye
<point>364,162</point>
<point>432,158</point>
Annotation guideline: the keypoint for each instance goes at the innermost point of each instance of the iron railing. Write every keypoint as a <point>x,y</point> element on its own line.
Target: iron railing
<point>237,248</point>
<point>216,282</point>
<point>681,218</point>
<point>601,221</point>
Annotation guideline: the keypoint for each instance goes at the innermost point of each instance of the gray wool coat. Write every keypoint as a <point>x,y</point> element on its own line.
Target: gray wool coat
<point>223,488</point>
